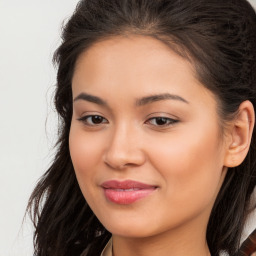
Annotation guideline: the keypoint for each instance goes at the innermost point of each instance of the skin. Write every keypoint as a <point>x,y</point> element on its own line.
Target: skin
<point>184,159</point>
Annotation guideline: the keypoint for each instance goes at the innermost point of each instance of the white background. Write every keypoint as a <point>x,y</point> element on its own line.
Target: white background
<point>29,34</point>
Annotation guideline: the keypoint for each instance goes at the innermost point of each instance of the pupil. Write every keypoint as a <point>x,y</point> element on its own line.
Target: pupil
<point>96,119</point>
<point>161,120</point>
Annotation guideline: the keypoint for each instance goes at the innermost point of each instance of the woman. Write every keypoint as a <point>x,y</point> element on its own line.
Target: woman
<point>156,151</point>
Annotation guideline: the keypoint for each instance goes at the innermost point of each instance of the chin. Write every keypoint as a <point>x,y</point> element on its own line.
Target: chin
<point>129,229</point>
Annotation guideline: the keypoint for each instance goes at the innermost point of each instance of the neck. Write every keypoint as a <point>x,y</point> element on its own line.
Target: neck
<point>185,240</point>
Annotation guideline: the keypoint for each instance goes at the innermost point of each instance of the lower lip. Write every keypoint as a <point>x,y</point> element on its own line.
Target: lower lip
<point>127,196</point>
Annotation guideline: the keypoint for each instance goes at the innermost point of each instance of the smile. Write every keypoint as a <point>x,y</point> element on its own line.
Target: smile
<point>126,192</point>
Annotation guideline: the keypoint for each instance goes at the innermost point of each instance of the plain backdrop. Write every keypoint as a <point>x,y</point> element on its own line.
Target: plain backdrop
<point>29,34</point>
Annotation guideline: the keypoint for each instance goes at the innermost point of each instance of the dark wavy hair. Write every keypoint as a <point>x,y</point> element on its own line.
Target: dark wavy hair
<point>219,39</point>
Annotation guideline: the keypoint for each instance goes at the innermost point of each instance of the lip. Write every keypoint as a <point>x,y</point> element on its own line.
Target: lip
<point>126,192</point>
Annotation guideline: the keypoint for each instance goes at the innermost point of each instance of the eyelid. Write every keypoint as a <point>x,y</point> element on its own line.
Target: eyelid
<point>85,117</point>
<point>171,119</point>
<point>162,114</point>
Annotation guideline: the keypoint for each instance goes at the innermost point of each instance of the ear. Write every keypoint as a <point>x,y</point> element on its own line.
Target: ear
<point>239,135</point>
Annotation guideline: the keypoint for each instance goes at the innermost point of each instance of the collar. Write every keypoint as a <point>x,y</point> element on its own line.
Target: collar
<point>107,251</point>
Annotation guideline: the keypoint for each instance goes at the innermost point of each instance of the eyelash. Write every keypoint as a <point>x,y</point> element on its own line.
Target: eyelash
<point>166,120</point>
<point>84,119</point>
<point>169,121</point>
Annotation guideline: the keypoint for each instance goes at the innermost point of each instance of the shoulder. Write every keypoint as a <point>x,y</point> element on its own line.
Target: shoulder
<point>248,247</point>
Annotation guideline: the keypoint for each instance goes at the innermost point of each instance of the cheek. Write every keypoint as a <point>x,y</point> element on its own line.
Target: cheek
<point>191,166</point>
<point>85,154</point>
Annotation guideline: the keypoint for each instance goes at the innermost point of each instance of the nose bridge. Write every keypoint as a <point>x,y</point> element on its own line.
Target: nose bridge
<point>124,146</point>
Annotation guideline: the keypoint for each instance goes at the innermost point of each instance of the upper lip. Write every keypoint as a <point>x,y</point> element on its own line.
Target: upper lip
<point>126,184</point>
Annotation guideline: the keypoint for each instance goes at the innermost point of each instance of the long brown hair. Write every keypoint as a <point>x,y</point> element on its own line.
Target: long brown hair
<point>219,38</point>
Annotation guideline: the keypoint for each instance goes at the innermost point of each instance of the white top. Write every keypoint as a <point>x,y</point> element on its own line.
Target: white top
<point>108,249</point>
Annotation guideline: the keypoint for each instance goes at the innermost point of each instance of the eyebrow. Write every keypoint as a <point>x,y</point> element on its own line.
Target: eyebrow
<point>139,102</point>
<point>90,98</point>
<point>158,97</point>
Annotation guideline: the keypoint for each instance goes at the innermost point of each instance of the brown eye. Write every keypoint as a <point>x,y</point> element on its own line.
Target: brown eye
<point>93,120</point>
<point>161,121</point>
<point>97,119</point>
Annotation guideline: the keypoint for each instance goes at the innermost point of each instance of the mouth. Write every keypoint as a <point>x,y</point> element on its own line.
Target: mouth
<point>126,192</point>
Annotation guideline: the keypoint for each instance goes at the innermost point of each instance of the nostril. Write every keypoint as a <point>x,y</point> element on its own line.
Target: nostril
<point>123,159</point>
<point>118,163</point>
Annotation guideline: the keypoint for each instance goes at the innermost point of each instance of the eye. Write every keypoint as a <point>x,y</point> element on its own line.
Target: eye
<point>92,120</point>
<point>161,121</point>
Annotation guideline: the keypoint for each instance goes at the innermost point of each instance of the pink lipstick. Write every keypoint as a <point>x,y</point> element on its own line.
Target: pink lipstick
<point>126,192</point>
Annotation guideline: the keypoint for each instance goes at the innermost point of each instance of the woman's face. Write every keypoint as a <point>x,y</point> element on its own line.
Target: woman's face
<point>144,139</point>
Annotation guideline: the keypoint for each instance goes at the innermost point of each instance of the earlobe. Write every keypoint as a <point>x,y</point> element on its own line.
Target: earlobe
<point>240,135</point>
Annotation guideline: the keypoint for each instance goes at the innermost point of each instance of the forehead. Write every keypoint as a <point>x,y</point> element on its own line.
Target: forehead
<point>130,47</point>
<point>133,56</point>
<point>134,66</point>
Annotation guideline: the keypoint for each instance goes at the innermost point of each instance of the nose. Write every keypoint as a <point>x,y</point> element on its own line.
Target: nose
<point>124,149</point>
